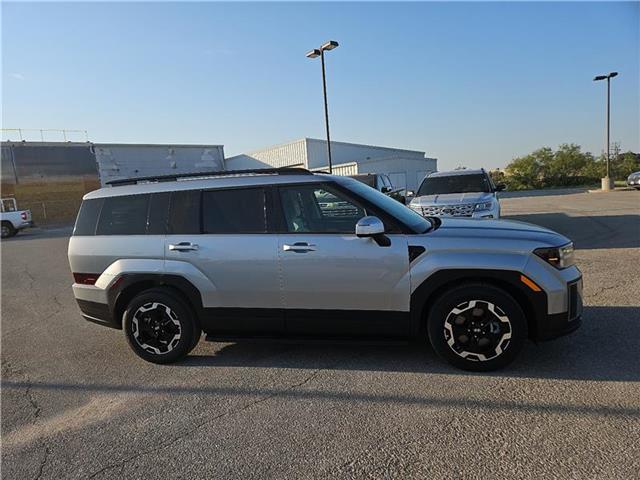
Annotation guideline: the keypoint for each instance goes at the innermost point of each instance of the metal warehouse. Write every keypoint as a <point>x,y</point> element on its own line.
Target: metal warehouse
<point>406,168</point>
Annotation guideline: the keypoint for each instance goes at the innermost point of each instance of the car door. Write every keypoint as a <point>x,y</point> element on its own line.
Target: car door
<point>223,235</point>
<point>335,283</point>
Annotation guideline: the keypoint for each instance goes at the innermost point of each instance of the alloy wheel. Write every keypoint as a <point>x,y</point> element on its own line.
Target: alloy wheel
<point>477,330</point>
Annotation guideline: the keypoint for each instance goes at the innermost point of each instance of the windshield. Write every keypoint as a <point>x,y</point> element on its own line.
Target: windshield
<point>454,184</point>
<point>394,208</point>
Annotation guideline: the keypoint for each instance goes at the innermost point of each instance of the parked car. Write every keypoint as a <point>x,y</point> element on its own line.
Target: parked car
<point>382,183</point>
<point>288,253</point>
<point>633,180</point>
<point>460,193</point>
<point>13,220</point>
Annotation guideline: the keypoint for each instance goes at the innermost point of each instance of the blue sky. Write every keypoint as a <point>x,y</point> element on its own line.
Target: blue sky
<point>472,84</point>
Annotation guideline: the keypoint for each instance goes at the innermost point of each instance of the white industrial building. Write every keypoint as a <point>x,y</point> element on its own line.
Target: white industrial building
<point>406,168</point>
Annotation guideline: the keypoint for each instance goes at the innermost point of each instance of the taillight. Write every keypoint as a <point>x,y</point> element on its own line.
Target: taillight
<point>23,215</point>
<point>86,278</point>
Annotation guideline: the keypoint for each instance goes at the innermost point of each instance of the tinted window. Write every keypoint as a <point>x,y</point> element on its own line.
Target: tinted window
<point>234,211</point>
<point>88,217</point>
<point>184,212</point>
<point>158,213</point>
<point>319,209</point>
<point>126,215</point>
<point>455,184</point>
<point>390,206</point>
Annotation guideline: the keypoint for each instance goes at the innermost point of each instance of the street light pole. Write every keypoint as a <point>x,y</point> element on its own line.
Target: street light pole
<point>608,125</point>
<point>319,52</point>
<point>326,110</point>
<point>606,181</point>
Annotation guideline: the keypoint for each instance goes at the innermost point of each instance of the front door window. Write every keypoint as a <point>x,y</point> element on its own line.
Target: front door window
<point>318,209</point>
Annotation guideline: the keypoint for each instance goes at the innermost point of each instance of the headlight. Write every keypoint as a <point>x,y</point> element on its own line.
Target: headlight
<point>559,257</point>
<point>483,206</point>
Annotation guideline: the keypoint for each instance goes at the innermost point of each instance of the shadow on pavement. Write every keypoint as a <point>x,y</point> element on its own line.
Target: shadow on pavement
<point>604,349</point>
<point>608,231</point>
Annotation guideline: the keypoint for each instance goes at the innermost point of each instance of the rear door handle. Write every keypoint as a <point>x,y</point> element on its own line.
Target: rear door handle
<point>299,247</point>
<point>183,246</point>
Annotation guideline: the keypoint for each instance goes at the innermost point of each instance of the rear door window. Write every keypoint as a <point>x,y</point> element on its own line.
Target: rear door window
<point>184,212</point>
<point>125,215</point>
<point>158,213</point>
<point>234,211</point>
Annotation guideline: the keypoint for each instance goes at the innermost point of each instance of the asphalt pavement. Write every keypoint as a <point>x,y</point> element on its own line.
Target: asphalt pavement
<point>77,403</point>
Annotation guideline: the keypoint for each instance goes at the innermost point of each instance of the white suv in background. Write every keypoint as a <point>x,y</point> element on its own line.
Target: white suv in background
<point>460,193</point>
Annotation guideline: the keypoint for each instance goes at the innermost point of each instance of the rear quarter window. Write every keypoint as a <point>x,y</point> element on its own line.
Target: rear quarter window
<point>88,217</point>
<point>125,215</point>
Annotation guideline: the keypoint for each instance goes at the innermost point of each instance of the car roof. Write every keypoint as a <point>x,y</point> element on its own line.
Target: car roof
<point>451,173</point>
<point>210,183</point>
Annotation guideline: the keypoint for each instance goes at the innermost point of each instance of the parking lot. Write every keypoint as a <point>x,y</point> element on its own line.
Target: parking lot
<point>77,403</point>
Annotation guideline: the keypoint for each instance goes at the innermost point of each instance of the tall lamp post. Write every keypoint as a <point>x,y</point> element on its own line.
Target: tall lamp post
<point>315,53</point>
<point>606,181</point>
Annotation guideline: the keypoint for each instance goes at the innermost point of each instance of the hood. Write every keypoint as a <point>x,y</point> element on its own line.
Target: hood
<point>452,199</point>
<point>500,230</point>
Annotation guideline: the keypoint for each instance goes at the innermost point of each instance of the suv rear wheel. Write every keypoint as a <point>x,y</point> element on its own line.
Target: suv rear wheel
<point>160,327</point>
<point>477,327</point>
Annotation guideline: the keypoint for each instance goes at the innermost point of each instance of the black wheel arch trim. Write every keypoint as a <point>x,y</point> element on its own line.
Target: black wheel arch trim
<point>128,285</point>
<point>534,304</point>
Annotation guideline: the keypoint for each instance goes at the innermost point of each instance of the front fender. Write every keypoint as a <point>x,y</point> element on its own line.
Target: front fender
<point>428,264</point>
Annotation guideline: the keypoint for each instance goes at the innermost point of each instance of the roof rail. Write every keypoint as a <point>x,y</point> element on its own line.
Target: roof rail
<point>223,173</point>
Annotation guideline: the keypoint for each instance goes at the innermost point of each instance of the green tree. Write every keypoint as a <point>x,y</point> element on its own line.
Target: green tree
<point>529,171</point>
<point>567,166</point>
<point>625,164</point>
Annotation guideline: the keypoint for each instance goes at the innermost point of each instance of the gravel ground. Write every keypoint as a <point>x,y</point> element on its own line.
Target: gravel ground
<point>76,403</point>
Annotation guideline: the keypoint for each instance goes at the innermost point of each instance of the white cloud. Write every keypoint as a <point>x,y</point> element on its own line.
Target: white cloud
<point>17,76</point>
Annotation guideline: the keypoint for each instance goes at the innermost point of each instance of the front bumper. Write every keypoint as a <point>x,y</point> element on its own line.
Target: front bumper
<point>555,325</point>
<point>633,182</point>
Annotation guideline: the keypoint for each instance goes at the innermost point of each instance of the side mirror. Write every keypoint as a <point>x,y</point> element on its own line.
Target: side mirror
<point>372,227</point>
<point>500,187</point>
<point>386,189</point>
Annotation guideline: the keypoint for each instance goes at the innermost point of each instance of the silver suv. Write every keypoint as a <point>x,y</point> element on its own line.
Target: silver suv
<point>460,193</point>
<point>288,253</point>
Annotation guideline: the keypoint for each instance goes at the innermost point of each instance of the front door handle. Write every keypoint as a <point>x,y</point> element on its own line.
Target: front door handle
<point>299,247</point>
<point>183,246</point>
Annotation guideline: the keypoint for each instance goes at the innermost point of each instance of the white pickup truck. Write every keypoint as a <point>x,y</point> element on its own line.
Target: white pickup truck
<point>13,220</point>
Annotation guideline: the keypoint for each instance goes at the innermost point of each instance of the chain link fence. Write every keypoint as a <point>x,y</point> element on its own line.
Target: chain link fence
<point>52,212</point>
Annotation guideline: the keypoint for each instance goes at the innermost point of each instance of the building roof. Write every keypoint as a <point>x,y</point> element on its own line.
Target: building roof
<point>333,142</point>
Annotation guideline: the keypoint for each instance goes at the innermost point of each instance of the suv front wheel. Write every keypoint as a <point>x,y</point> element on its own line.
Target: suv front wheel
<point>160,327</point>
<point>477,327</point>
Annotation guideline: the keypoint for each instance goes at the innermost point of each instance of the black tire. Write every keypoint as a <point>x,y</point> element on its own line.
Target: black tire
<point>160,327</point>
<point>8,230</point>
<point>475,336</point>
<point>196,339</point>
